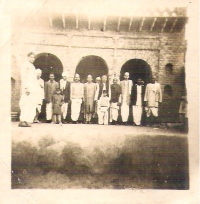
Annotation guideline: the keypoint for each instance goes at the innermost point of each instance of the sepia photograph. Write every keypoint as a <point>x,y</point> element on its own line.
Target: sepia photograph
<point>99,95</point>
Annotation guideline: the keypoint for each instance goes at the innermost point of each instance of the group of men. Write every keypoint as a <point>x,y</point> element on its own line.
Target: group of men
<point>101,100</point>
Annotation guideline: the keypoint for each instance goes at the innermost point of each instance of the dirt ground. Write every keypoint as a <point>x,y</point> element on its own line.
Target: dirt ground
<point>97,156</point>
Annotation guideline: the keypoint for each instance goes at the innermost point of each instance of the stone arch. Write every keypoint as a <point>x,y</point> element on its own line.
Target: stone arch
<point>49,63</point>
<point>93,65</point>
<point>137,68</point>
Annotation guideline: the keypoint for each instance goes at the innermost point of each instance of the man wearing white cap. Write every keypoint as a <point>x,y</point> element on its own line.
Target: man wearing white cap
<point>76,97</point>
<point>40,95</point>
<point>65,88</point>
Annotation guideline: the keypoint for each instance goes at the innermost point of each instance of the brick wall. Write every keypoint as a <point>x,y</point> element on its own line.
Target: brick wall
<point>156,49</point>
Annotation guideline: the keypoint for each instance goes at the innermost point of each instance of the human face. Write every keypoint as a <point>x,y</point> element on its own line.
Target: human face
<point>65,77</point>
<point>51,77</point>
<point>139,81</point>
<point>115,81</point>
<point>126,76</point>
<point>38,75</point>
<point>77,78</point>
<point>98,81</point>
<point>31,58</point>
<point>89,78</point>
<point>104,94</point>
<point>153,80</point>
<point>104,79</point>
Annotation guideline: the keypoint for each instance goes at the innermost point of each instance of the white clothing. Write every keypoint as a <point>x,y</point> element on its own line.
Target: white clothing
<point>103,116</point>
<point>29,80</point>
<point>27,107</point>
<point>64,109</point>
<point>39,107</point>
<point>137,114</point>
<point>49,111</point>
<point>114,111</point>
<point>75,108</point>
<point>152,111</point>
<point>125,112</point>
<point>63,84</point>
<point>137,109</point>
<point>40,91</point>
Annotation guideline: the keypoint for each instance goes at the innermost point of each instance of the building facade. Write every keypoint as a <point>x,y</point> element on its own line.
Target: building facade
<point>143,46</point>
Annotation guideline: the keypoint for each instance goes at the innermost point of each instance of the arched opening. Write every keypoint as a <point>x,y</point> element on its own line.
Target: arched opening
<point>93,65</point>
<point>49,63</point>
<point>136,68</point>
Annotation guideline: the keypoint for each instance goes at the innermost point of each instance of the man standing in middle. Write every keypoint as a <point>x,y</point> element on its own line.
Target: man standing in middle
<point>65,88</point>
<point>89,98</point>
<point>126,86</point>
<point>76,97</point>
<point>49,90</point>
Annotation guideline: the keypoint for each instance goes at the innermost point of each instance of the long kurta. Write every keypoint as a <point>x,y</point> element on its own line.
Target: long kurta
<point>27,108</point>
<point>76,96</point>
<point>89,97</point>
<point>126,86</point>
<point>29,78</point>
<point>153,95</point>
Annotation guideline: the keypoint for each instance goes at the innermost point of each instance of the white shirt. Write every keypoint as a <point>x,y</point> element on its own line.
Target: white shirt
<point>139,95</point>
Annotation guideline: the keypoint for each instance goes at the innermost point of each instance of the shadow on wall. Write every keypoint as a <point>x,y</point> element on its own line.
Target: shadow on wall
<point>158,162</point>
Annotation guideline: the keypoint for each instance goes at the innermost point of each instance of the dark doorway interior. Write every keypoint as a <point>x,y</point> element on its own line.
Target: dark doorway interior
<point>93,65</point>
<point>49,63</point>
<point>136,68</point>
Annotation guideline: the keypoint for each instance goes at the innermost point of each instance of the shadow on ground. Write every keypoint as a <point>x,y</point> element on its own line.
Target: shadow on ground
<point>142,162</point>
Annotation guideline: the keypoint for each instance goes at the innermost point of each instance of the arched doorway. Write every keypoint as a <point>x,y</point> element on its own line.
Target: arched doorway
<point>93,65</point>
<point>136,68</point>
<point>49,63</point>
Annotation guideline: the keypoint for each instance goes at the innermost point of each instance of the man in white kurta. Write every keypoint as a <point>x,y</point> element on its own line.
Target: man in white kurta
<point>76,97</point>
<point>29,81</point>
<point>40,94</point>
<point>27,108</point>
<point>126,86</point>
<point>65,88</point>
<point>153,96</point>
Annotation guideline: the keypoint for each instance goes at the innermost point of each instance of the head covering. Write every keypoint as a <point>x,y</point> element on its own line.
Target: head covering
<point>64,74</point>
<point>98,78</point>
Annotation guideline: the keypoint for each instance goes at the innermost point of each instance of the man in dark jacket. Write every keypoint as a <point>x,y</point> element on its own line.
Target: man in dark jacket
<point>49,90</point>
<point>65,88</point>
<point>115,94</point>
<point>137,101</point>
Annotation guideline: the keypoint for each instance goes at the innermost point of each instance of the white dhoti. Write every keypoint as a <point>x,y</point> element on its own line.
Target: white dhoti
<point>27,114</point>
<point>137,114</point>
<point>28,107</point>
<point>64,109</point>
<point>39,107</point>
<point>125,112</point>
<point>152,111</point>
<point>49,111</point>
<point>114,112</point>
<point>103,116</point>
<point>75,109</point>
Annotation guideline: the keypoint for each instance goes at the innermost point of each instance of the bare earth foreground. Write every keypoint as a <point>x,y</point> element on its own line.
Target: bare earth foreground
<point>96,156</point>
